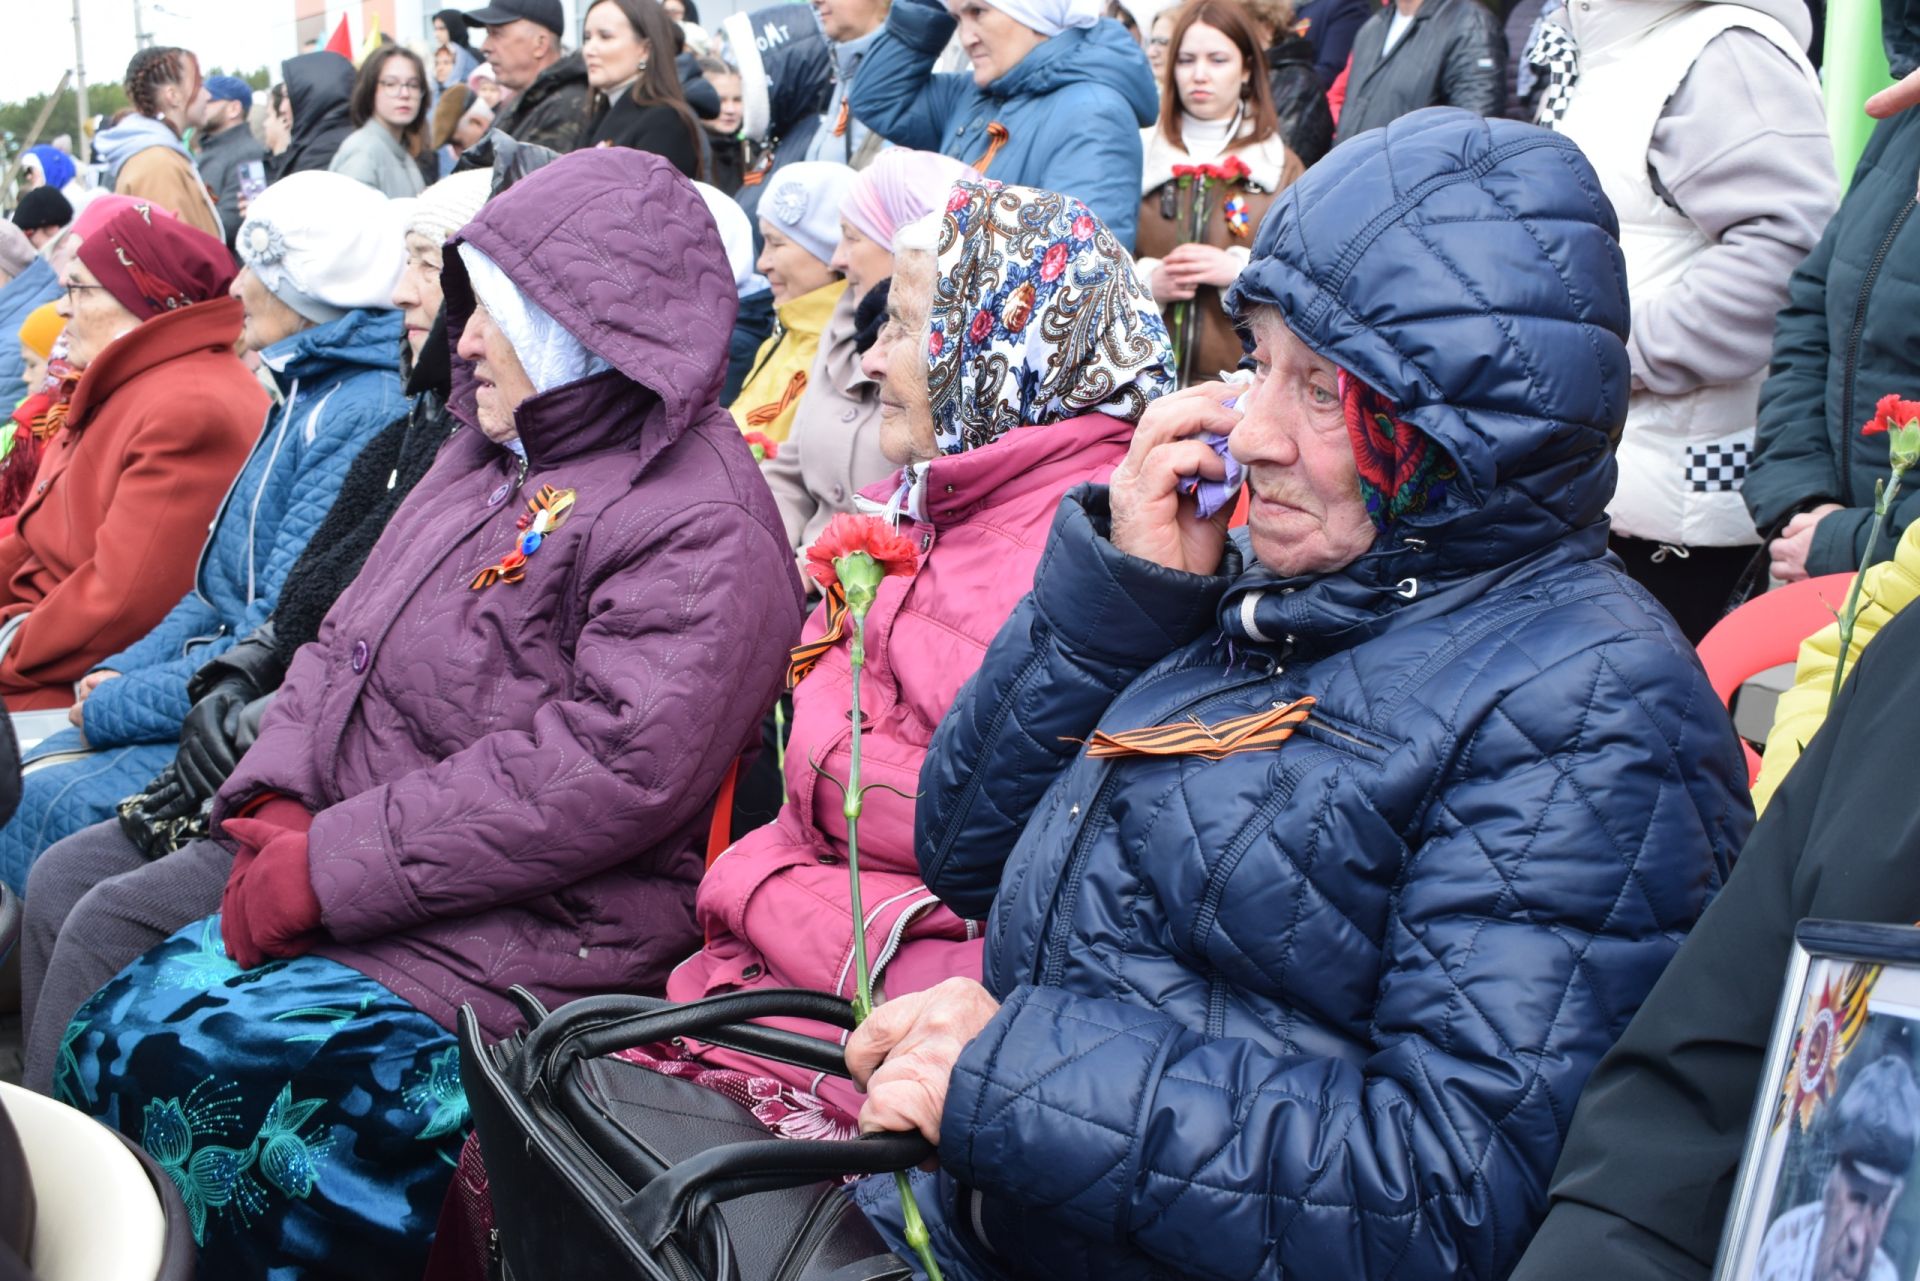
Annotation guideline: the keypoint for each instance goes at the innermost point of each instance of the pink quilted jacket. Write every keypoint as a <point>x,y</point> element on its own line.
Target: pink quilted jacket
<point>774,908</point>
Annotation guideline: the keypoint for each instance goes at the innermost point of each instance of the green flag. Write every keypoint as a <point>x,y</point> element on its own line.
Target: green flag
<point>1855,68</point>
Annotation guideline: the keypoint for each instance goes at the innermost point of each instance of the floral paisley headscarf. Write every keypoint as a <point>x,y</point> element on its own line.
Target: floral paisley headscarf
<point>1037,317</point>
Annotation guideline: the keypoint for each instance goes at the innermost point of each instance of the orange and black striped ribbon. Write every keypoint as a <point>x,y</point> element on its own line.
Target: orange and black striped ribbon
<point>996,138</point>
<point>805,658</point>
<point>548,499</point>
<point>773,409</point>
<point>840,123</point>
<point>1259,731</point>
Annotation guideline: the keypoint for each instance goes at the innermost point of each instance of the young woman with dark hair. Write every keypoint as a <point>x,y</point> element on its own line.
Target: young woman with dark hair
<point>1215,107</point>
<point>143,152</point>
<point>389,113</point>
<point>629,48</point>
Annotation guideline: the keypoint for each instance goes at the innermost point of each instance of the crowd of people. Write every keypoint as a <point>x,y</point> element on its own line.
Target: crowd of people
<point>1299,820</point>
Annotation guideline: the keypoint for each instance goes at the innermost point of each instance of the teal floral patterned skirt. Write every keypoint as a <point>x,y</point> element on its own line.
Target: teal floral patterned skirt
<point>310,1117</point>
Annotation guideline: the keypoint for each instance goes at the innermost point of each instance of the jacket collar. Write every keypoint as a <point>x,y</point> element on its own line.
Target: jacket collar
<point>213,325</point>
<point>1021,462</point>
<point>366,338</point>
<point>810,312</point>
<point>839,360</point>
<point>848,53</point>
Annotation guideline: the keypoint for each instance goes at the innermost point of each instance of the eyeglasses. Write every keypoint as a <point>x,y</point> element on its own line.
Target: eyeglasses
<point>402,86</point>
<point>74,292</point>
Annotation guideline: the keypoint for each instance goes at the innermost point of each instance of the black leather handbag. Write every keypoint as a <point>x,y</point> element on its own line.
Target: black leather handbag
<point>601,1170</point>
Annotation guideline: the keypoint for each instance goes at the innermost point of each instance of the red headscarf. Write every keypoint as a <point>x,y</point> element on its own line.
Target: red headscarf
<point>154,264</point>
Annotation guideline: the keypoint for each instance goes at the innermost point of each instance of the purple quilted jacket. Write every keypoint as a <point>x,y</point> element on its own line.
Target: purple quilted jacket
<point>512,784</point>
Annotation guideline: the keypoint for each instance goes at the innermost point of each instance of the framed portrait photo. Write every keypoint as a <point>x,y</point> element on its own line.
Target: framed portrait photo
<point>1828,1189</point>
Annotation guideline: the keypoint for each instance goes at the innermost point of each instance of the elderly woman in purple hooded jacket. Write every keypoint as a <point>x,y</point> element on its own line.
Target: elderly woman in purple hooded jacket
<point>496,764</point>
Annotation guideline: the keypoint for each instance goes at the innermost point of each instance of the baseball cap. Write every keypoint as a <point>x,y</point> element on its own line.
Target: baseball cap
<point>230,89</point>
<point>545,12</point>
<point>1877,1121</point>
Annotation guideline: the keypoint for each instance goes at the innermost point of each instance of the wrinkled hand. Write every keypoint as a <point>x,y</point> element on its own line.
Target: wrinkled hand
<point>903,1055</point>
<point>1169,285</point>
<point>1787,554</point>
<point>1152,519</point>
<point>210,745</point>
<point>1896,98</point>
<point>1196,264</point>
<point>84,687</point>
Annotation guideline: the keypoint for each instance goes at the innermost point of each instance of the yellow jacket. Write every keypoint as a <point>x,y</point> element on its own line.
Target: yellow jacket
<point>1885,591</point>
<point>771,393</point>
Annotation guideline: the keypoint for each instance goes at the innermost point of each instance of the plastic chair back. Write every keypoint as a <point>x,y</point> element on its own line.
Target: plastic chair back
<point>1766,632</point>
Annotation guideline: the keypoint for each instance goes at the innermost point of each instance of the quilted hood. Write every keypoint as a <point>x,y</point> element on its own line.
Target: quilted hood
<point>618,248</point>
<point>1101,54</point>
<point>1469,269</point>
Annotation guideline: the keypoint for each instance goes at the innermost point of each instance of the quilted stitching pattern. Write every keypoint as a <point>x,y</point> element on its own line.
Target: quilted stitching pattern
<point>512,784</point>
<point>1326,1011</point>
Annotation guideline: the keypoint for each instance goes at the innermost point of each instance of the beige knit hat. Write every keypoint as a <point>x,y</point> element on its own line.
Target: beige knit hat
<point>450,204</point>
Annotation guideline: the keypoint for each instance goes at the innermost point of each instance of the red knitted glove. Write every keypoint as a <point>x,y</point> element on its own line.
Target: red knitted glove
<point>269,909</point>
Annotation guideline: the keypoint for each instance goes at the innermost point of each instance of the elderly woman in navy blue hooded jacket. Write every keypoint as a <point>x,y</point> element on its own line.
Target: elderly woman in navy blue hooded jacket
<point>1390,809</point>
<point>1056,99</point>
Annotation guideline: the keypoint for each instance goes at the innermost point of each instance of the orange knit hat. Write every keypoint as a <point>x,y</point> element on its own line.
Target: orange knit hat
<point>42,325</point>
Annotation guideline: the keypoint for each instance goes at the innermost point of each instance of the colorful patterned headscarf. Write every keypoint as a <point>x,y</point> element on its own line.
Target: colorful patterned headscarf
<point>1402,472</point>
<point>1037,317</point>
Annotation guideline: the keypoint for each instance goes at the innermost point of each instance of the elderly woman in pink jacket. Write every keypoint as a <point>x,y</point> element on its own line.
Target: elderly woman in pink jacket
<point>985,459</point>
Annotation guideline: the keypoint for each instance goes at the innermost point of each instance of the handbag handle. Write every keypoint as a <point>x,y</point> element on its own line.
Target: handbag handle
<point>596,1026</point>
<point>692,1187</point>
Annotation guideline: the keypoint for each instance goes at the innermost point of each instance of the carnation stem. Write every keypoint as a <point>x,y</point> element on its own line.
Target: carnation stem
<point>916,1228</point>
<point>780,744</point>
<point>1884,494</point>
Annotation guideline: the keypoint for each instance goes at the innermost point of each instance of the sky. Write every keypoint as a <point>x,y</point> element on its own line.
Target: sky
<point>238,35</point>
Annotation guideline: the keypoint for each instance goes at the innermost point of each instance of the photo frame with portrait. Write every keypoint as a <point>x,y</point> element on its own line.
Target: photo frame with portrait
<point>1829,1184</point>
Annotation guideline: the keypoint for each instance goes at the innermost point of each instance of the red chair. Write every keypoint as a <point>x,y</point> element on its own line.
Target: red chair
<point>1766,632</point>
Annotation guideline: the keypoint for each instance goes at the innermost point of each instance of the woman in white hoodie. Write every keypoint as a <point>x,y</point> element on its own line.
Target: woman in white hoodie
<point>1215,108</point>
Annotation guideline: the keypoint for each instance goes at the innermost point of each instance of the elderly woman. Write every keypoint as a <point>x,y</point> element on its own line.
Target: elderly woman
<point>161,418</point>
<point>321,256</point>
<point>800,230</point>
<point>1323,863</point>
<point>1056,97</point>
<point>104,895</point>
<point>497,763</point>
<point>833,449</point>
<point>986,461</point>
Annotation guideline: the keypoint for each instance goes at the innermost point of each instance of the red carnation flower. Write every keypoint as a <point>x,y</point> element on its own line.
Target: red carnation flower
<point>982,326</point>
<point>1891,412</point>
<point>1054,263</point>
<point>848,535</point>
<point>762,446</point>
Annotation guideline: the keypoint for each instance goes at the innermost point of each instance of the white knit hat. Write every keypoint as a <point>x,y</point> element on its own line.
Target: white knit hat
<point>450,204</point>
<point>736,237</point>
<point>802,203</point>
<point>325,244</point>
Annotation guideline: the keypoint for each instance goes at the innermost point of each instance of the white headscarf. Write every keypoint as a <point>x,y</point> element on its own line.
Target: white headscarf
<point>736,237</point>
<point>551,356</point>
<point>1051,17</point>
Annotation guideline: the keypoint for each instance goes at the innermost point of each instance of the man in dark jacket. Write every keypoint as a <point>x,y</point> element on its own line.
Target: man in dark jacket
<point>550,94</point>
<point>1329,26</point>
<point>227,145</point>
<point>1264,1006</point>
<point>1643,1187</point>
<point>1844,340</point>
<point>1425,53</point>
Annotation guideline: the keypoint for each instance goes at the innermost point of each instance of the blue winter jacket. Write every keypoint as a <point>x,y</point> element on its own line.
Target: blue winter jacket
<point>340,384</point>
<point>1073,108</point>
<point>19,297</point>
<point>1324,1011</point>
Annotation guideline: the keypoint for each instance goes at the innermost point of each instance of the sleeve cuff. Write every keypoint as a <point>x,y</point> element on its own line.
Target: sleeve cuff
<point>1838,542</point>
<point>1116,607</point>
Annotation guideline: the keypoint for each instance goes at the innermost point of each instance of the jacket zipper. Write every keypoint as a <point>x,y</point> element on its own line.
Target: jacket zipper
<point>1850,368</point>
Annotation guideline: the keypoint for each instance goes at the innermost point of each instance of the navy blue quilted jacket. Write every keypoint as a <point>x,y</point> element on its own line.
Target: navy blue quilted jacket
<point>1324,1012</point>
<point>340,384</point>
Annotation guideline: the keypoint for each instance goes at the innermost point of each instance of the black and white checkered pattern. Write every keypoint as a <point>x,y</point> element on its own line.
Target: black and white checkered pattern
<point>1718,468</point>
<point>1555,59</point>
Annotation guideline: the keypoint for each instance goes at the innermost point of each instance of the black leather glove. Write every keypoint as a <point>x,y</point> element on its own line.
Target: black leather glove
<point>210,743</point>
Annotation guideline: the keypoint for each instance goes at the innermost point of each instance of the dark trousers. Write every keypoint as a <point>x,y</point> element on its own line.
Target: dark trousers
<point>94,905</point>
<point>1694,583</point>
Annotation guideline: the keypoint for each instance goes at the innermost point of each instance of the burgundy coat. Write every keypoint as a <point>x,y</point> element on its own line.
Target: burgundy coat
<point>513,783</point>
